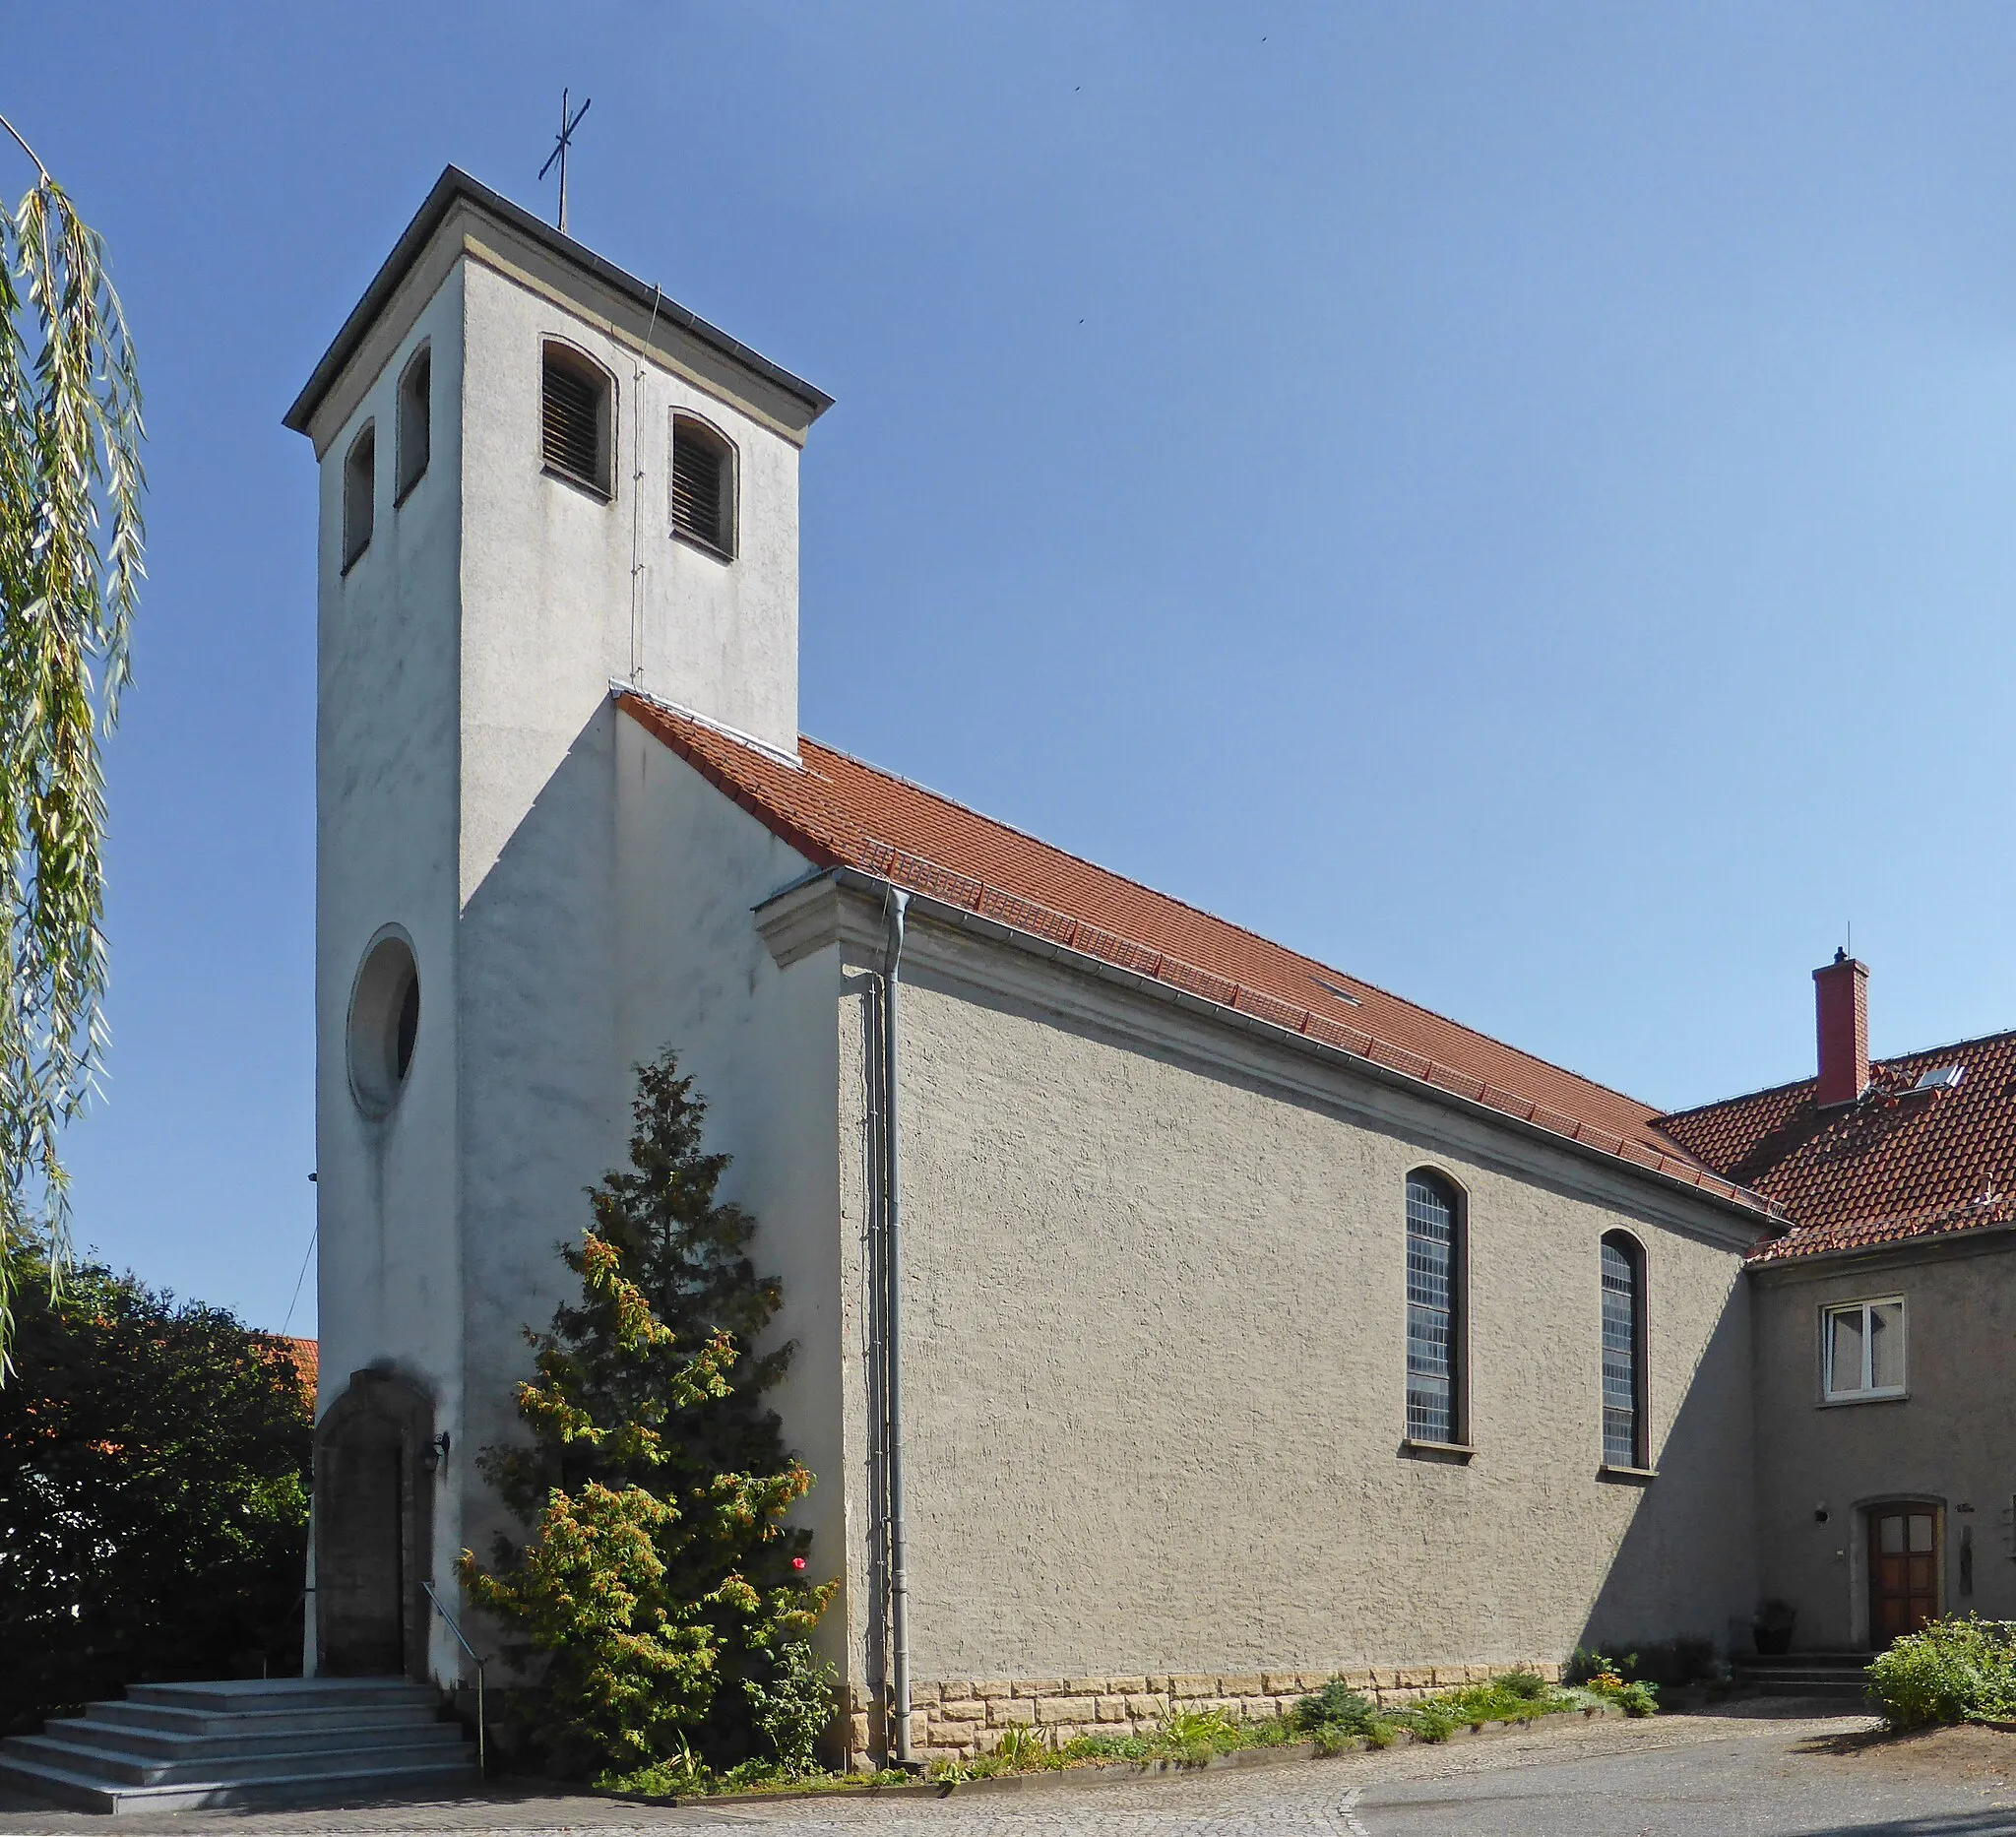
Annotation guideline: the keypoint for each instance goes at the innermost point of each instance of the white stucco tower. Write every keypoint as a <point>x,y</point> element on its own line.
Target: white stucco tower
<point>538,476</point>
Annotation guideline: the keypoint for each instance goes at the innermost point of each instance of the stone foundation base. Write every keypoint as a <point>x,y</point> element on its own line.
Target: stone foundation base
<point>958,1718</point>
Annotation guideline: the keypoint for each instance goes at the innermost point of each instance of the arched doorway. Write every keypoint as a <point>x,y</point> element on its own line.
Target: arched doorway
<point>374,1514</point>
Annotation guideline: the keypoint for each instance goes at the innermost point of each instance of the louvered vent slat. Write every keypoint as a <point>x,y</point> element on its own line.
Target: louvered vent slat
<point>699,489</point>
<point>570,436</point>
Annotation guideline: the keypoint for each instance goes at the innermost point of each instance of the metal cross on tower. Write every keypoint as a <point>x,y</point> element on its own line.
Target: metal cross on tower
<point>559,151</point>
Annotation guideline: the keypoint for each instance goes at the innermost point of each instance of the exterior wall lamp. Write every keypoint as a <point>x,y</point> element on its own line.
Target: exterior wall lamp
<point>435,1452</point>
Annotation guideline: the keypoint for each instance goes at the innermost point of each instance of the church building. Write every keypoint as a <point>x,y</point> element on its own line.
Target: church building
<point>1178,1318</point>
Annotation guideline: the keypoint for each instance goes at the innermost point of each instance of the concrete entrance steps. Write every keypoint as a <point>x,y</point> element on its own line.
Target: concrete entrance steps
<point>186,1747</point>
<point>1839,1675</point>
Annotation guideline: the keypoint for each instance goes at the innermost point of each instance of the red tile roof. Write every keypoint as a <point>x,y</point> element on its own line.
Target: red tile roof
<point>306,1354</point>
<point>837,811</point>
<point>1894,1166</point>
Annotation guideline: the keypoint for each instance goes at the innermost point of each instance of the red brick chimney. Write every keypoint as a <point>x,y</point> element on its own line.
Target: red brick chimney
<point>1841,994</point>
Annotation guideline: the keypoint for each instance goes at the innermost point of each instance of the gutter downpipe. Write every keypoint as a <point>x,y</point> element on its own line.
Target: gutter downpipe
<point>892,1328</point>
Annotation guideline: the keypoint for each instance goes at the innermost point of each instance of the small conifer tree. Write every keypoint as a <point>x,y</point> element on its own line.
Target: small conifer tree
<point>659,1586</point>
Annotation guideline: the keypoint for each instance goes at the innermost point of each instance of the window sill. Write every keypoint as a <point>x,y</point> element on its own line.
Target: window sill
<point>712,550</point>
<point>1627,1475</point>
<point>1854,1397</point>
<point>587,486</point>
<point>1453,1453</point>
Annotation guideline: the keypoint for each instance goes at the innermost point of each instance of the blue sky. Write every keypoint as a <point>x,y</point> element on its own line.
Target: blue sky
<point>1514,500</point>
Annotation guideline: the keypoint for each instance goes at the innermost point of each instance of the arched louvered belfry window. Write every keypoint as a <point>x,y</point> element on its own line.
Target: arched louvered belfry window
<point>577,419</point>
<point>703,486</point>
<point>1623,1352</point>
<point>1434,1310</point>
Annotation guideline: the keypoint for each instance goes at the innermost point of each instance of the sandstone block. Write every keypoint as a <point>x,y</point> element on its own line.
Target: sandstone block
<point>992,1687</point>
<point>972,1710</point>
<point>1126,1687</point>
<point>1038,1686</point>
<point>1001,1711</point>
<point>1240,1687</point>
<point>1145,1708</point>
<point>1193,1686</point>
<point>1112,1709</point>
<point>1281,1683</point>
<point>1059,1709</point>
<point>1417,1677</point>
<point>1085,1686</point>
<point>924,1693</point>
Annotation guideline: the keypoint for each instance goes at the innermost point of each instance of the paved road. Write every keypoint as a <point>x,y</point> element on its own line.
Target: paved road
<point>1763,1770</point>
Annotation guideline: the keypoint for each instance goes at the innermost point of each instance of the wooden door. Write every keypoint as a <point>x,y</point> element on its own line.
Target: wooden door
<point>1903,1571</point>
<point>360,1568</point>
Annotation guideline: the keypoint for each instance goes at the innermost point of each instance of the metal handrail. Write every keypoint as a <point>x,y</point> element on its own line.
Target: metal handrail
<point>482,1759</point>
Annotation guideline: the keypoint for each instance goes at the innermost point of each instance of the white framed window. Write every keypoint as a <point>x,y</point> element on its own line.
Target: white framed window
<point>1861,1350</point>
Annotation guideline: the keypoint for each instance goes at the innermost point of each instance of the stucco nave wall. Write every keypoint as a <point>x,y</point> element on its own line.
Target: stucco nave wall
<point>1155,1356</point>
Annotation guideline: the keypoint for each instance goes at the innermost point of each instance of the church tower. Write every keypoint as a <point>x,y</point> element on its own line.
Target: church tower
<point>539,478</point>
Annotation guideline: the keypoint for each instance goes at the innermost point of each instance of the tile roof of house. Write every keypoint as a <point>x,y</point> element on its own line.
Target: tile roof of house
<point>1898,1165</point>
<point>306,1354</point>
<point>837,812</point>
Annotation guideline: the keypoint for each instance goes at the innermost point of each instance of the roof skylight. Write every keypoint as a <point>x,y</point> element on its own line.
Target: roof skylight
<point>1940,1078</point>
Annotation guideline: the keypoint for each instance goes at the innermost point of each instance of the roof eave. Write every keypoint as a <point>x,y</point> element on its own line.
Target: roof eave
<point>455,185</point>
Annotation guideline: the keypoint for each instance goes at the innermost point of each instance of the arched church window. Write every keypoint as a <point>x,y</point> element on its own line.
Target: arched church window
<point>359,477</point>
<point>384,1023</point>
<point>1623,1352</point>
<point>416,420</point>
<point>1434,1310</point>
<point>576,415</point>
<point>703,485</point>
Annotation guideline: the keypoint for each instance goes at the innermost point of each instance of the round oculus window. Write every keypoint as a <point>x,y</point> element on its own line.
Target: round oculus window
<point>385,1023</point>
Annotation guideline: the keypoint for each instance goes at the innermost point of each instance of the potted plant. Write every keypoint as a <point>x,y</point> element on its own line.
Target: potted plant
<point>1773,1628</point>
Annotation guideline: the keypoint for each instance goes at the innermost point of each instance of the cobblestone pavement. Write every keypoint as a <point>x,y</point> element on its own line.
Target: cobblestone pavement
<point>1758,1770</point>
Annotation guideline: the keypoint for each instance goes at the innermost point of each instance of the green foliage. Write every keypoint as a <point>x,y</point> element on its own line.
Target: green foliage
<point>1523,1686</point>
<point>1023,1748</point>
<point>1953,1671</point>
<point>1335,1706</point>
<point>1430,1720</point>
<point>1668,1663</point>
<point>659,1599</point>
<point>791,1706</point>
<point>1193,1736</point>
<point>154,1506</point>
<point>70,434</point>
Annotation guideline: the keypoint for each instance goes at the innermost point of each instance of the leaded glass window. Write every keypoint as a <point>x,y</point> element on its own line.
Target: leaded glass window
<point>1622,1379</point>
<point>1433,1344</point>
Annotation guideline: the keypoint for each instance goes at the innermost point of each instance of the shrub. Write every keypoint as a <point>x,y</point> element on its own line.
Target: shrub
<point>661,1573</point>
<point>791,1706</point>
<point>1522,1686</point>
<point>1954,1670</point>
<point>1335,1706</point>
<point>1432,1719</point>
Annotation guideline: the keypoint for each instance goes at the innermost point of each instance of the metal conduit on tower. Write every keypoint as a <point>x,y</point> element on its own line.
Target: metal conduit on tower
<point>892,1327</point>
